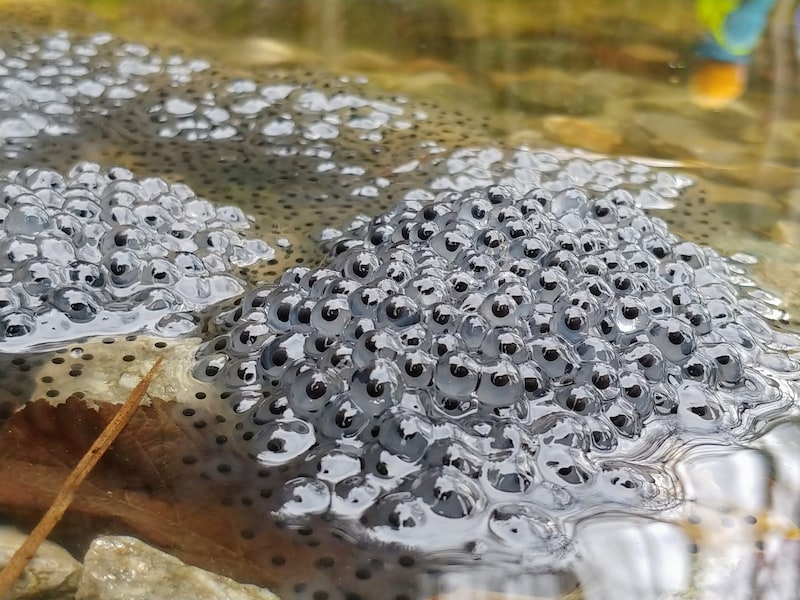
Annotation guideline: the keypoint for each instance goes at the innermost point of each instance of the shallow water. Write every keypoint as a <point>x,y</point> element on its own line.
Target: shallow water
<point>610,77</point>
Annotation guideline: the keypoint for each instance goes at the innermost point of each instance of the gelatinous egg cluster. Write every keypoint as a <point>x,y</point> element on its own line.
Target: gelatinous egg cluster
<point>99,252</point>
<point>46,82</point>
<point>492,360</point>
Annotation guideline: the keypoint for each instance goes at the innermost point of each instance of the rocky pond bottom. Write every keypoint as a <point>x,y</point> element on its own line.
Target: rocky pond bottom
<point>513,378</point>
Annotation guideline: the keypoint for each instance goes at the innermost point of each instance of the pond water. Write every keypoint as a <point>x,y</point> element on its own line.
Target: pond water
<point>306,114</point>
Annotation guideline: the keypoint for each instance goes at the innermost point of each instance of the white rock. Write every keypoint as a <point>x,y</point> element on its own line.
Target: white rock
<point>52,573</point>
<point>124,568</point>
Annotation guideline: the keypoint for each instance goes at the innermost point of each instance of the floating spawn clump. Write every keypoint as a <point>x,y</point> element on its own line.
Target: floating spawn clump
<point>480,370</point>
<point>99,252</point>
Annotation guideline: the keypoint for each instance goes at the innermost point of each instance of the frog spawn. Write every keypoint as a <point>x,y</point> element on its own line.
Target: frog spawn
<point>101,253</point>
<point>464,388</point>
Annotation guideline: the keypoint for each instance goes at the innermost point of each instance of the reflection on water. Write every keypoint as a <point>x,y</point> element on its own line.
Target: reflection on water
<point>257,125</point>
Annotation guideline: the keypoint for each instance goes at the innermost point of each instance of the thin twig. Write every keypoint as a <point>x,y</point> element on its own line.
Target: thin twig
<point>15,566</point>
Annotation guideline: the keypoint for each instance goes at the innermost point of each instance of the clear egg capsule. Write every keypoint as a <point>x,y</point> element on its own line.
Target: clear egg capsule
<point>376,386</point>
<point>312,390</point>
<point>457,374</point>
<point>500,384</point>
<point>448,493</point>
<point>343,419</point>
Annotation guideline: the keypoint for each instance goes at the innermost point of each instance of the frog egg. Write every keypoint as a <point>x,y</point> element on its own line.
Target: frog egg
<point>499,310</point>
<point>76,304</point>
<point>399,512</point>
<point>417,368</point>
<point>16,324</point>
<point>14,251</point>
<point>404,435</point>
<point>506,476</point>
<point>281,353</point>
<point>460,284</point>
<point>642,262</point>
<point>330,316</point>
<point>448,493</point>
<point>241,372</point>
<point>364,301</point>
<point>728,365</point>
<point>442,318</point>
<point>473,330</point>
<point>519,291</point>
<point>627,421</point>
<point>159,271</point>
<point>480,266</point>
<point>248,336</point>
<point>450,453</point>
<point>450,243</point>
<point>280,305</point>
<point>397,271</point>
<point>356,328</point>
<point>339,286</point>
<point>699,368</point>
<point>353,495</point>
<point>676,273</point>
<point>647,358</point>
<point>492,242</point>
<point>337,465</point>
<point>397,312</point>
<point>376,386</point>
<point>190,264</point>
<point>525,527</point>
<point>603,378</point>
<point>500,384</point>
<point>343,419</point>
<point>504,342</point>
<point>317,344</point>
<point>536,201</point>
<point>697,408</point>
<point>415,337</point>
<point>455,407</point>
<point>427,289</point>
<point>377,343</point>
<point>359,265</point>
<point>303,496</point>
<point>636,391</point>
<point>580,399</point>
<point>124,268</point>
<point>690,253</point>
<point>594,349</point>
<point>698,317</point>
<point>532,247</point>
<point>554,358</point>
<point>156,299</point>
<point>312,390</point>
<point>630,315</point>
<point>673,337</point>
<point>548,285</point>
<point>602,435</point>
<point>562,466</point>
<point>476,211</point>
<point>38,277</point>
<point>457,374</point>
<point>523,268</point>
<point>208,367</point>
<point>26,219</point>
<point>282,441</point>
<point>572,323</point>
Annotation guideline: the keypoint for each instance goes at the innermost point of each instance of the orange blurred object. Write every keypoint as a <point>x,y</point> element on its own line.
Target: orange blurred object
<point>714,84</point>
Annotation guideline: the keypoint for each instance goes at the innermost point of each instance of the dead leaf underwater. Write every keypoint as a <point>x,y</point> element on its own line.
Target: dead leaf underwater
<point>171,479</point>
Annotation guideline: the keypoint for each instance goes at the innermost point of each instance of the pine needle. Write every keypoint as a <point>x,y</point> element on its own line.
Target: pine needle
<point>15,566</point>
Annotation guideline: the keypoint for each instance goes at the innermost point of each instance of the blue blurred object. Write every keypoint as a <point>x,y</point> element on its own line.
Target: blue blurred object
<point>734,28</point>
